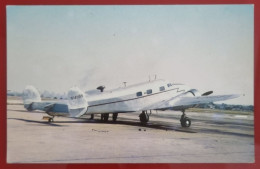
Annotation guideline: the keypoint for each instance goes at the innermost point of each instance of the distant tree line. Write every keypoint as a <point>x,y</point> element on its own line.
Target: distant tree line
<point>224,106</point>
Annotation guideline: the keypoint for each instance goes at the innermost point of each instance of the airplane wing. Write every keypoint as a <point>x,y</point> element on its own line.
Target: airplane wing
<point>183,101</point>
<point>187,102</point>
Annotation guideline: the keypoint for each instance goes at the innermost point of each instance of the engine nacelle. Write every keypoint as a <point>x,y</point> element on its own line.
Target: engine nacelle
<point>190,93</point>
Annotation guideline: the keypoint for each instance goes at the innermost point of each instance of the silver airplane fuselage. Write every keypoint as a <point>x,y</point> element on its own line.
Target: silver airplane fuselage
<point>134,98</point>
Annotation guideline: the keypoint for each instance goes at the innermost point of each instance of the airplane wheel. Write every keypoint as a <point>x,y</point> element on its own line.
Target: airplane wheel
<point>115,116</point>
<point>106,116</point>
<point>144,117</point>
<point>185,122</point>
<point>50,120</point>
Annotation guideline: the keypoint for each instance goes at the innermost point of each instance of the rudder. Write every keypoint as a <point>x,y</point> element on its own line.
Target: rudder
<point>78,104</point>
<point>30,95</point>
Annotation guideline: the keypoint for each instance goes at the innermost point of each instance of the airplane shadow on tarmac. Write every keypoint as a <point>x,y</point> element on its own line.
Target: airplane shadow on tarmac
<point>26,111</point>
<point>199,128</point>
<point>152,125</point>
<point>34,121</point>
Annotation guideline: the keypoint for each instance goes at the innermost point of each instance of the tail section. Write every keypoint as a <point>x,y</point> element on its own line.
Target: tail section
<point>78,104</point>
<point>30,95</point>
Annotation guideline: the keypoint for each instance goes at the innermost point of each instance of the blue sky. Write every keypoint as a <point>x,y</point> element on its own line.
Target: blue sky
<point>208,47</point>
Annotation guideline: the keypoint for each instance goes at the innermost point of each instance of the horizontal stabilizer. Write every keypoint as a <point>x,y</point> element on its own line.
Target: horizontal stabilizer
<point>48,108</point>
<point>57,107</point>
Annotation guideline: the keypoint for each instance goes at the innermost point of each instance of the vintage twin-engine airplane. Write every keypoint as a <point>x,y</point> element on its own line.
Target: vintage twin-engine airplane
<point>143,97</point>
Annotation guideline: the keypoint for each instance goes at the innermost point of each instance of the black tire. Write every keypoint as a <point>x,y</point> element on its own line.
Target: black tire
<point>186,122</point>
<point>50,120</point>
<point>106,116</point>
<point>115,116</point>
<point>144,118</point>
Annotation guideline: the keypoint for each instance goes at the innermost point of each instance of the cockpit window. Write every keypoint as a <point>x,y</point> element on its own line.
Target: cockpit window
<point>149,91</point>
<point>162,88</point>
<point>138,94</point>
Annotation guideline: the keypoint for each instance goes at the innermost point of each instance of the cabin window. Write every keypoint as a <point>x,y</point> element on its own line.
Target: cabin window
<point>169,84</point>
<point>162,88</point>
<point>149,91</point>
<point>138,94</point>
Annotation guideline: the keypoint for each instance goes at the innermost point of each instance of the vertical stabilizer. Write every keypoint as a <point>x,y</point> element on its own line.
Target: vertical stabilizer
<point>30,95</point>
<point>78,104</point>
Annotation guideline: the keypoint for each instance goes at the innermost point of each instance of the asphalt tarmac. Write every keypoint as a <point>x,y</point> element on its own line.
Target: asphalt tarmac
<point>214,137</point>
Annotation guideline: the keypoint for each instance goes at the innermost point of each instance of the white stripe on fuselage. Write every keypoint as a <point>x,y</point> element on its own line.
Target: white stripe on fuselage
<point>126,100</point>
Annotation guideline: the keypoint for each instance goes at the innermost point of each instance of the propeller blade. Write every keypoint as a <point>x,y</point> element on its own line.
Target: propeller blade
<point>207,93</point>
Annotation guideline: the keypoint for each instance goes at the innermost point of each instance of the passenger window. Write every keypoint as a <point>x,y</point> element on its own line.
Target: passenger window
<point>138,94</point>
<point>169,84</point>
<point>162,88</point>
<point>149,91</point>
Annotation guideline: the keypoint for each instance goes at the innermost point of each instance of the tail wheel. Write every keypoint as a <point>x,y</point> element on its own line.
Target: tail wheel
<point>50,120</point>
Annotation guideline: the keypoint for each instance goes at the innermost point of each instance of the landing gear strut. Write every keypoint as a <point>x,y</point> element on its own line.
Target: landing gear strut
<point>115,116</point>
<point>104,117</point>
<point>91,117</point>
<point>144,117</point>
<point>185,121</point>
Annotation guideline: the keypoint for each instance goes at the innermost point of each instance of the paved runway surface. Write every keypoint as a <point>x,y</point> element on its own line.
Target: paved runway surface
<point>213,137</point>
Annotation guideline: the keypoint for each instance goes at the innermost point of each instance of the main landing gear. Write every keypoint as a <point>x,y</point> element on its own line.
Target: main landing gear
<point>144,117</point>
<point>185,121</point>
<point>115,116</point>
<point>105,116</point>
<point>91,117</point>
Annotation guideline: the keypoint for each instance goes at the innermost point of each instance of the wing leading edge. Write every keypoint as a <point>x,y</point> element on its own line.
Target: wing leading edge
<point>183,101</point>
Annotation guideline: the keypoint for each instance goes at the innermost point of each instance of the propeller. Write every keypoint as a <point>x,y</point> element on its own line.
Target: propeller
<point>207,93</point>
